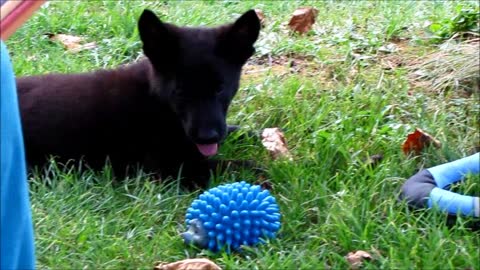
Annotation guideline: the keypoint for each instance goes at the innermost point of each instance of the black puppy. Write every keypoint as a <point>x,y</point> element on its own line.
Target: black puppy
<point>166,112</point>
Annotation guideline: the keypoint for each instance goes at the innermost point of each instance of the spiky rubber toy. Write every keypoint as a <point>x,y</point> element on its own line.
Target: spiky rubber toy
<point>231,215</point>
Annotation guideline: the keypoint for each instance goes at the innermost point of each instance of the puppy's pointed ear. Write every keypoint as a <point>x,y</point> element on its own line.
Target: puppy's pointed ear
<point>160,43</point>
<point>246,28</point>
<point>236,43</point>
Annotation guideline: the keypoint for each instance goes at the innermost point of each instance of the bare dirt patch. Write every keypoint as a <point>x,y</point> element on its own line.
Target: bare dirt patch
<point>284,65</point>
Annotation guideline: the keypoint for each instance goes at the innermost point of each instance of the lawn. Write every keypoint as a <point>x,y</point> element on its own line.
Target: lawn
<point>342,93</point>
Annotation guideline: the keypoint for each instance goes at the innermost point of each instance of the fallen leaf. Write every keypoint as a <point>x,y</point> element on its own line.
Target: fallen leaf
<point>389,48</point>
<point>188,264</point>
<point>391,63</point>
<point>260,15</point>
<point>355,259</point>
<point>73,44</point>
<point>68,41</point>
<point>86,46</point>
<point>274,141</point>
<point>32,58</point>
<point>362,57</point>
<point>264,184</point>
<point>303,19</point>
<point>417,141</point>
<point>373,160</point>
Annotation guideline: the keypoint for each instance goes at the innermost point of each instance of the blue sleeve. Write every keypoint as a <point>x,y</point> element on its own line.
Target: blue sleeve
<point>16,229</point>
<point>449,173</point>
<point>454,203</point>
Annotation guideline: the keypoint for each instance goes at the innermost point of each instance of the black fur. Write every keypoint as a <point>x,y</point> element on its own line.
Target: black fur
<point>152,112</point>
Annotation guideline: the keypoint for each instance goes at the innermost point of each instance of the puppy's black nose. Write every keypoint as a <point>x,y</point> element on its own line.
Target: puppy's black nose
<point>207,136</point>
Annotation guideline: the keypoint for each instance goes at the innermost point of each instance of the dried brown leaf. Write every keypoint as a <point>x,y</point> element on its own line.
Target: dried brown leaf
<point>188,264</point>
<point>417,141</point>
<point>388,48</point>
<point>264,184</point>
<point>373,160</point>
<point>73,44</point>
<point>274,141</point>
<point>86,46</point>
<point>260,15</point>
<point>303,19</point>
<point>355,259</point>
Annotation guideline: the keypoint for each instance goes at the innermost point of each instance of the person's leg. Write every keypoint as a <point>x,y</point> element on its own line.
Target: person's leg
<point>16,229</point>
<point>428,188</point>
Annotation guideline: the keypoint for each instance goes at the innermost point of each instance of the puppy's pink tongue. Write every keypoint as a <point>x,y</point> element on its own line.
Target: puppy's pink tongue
<point>208,149</point>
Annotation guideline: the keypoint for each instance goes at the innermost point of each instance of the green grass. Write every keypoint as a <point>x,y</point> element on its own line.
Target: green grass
<point>336,110</point>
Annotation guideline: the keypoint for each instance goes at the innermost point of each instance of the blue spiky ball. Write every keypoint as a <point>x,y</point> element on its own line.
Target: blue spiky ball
<point>231,215</point>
